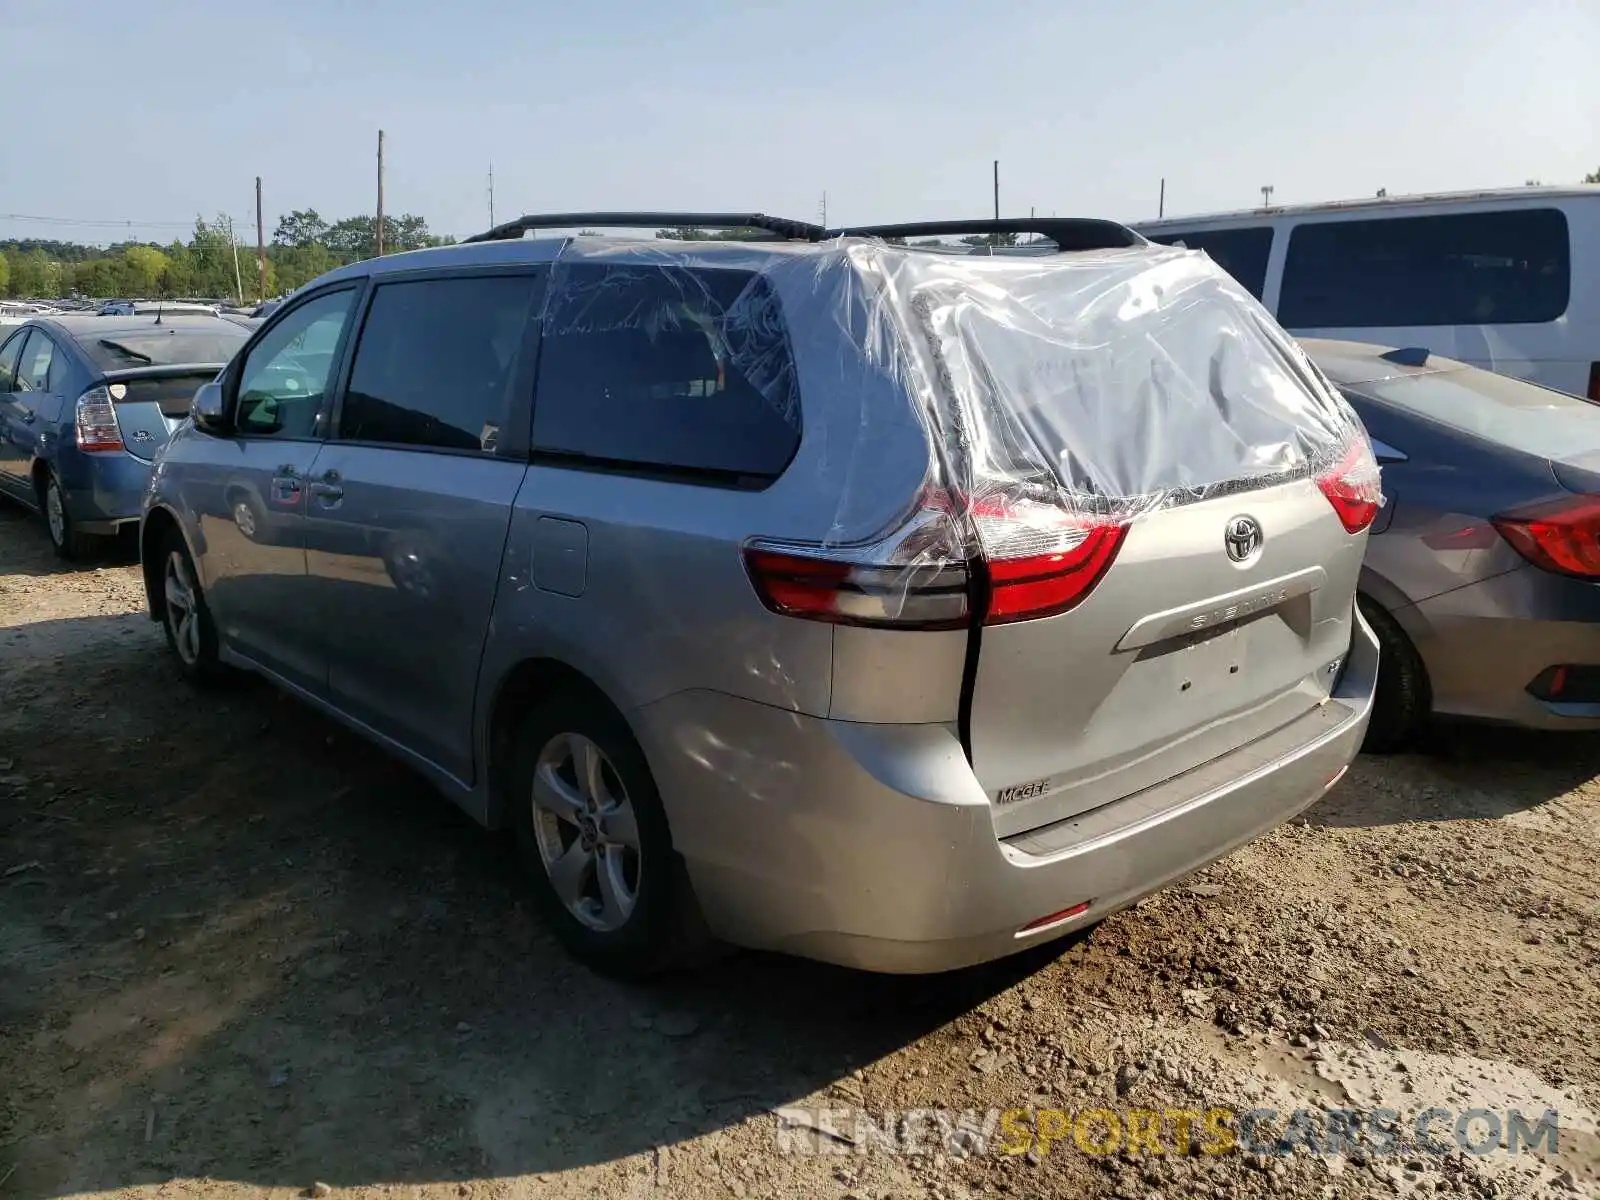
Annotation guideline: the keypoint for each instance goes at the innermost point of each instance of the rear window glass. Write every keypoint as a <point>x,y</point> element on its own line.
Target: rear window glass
<point>1523,416</point>
<point>1486,268</point>
<point>1242,253</point>
<point>119,350</point>
<point>173,394</point>
<point>675,368</point>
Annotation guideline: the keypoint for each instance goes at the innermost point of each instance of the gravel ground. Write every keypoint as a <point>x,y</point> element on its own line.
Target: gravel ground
<point>243,954</point>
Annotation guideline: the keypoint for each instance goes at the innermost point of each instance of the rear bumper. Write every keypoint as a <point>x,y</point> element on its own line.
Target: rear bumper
<point>103,491</point>
<point>1484,643</point>
<point>873,845</point>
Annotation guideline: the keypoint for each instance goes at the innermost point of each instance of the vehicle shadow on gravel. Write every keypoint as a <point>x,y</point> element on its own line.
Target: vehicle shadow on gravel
<point>1461,772</point>
<point>236,942</point>
<point>29,551</point>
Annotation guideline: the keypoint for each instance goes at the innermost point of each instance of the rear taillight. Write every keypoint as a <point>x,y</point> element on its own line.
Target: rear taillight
<point>1041,561</point>
<point>97,421</point>
<point>849,593</point>
<point>1561,536</point>
<point>1353,486</point>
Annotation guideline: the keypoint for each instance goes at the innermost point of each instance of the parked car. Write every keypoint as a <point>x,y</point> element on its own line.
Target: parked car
<point>1481,571</point>
<point>897,608</point>
<point>85,404</point>
<point>1505,280</point>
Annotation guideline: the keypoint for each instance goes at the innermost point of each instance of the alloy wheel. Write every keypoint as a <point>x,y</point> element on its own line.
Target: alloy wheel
<point>55,513</point>
<point>588,835</point>
<point>183,617</point>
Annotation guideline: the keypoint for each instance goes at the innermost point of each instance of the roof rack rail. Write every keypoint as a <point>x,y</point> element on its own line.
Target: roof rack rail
<point>779,227</point>
<point>1068,233</point>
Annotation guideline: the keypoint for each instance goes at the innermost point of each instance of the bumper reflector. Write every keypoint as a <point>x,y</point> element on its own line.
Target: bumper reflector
<point>1055,918</point>
<point>1567,683</point>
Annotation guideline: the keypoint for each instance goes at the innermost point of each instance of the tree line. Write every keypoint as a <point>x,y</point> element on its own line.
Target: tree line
<point>209,264</point>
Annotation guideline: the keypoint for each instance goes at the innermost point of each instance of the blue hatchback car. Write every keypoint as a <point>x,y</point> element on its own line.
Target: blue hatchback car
<point>85,404</point>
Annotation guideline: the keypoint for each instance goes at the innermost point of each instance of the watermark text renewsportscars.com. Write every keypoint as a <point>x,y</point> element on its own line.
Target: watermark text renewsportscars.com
<point>1372,1132</point>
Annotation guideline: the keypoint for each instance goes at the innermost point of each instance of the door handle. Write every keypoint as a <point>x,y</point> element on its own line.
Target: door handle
<point>329,489</point>
<point>286,484</point>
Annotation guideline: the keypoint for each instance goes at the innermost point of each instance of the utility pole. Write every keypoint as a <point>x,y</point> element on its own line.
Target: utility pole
<point>997,189</point>
<point>822,210</point>
<point>491,195</point>
<point>1161,204</point>
<point>238,280</point>
<point>380,194</point>
<point>261,243</point>
<point>1266,196</point>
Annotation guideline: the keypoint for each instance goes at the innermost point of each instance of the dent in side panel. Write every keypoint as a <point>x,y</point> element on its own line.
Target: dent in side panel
<point>666,604</point>
<point>903,676</point>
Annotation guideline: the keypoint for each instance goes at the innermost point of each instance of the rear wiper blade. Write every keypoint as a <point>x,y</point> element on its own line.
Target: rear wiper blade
<point>109,344</point>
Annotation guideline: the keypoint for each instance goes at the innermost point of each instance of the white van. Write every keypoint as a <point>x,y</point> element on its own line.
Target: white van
<point>1507,280</point>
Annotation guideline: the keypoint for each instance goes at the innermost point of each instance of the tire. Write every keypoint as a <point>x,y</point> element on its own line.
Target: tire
<point>627,912</point>
<point>1403,702</point>
<point>191,633</point>
<point>69,544</point>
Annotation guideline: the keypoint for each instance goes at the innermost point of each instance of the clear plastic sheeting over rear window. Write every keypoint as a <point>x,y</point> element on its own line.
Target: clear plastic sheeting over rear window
<point>1111,382</point>
<point>950,400</point>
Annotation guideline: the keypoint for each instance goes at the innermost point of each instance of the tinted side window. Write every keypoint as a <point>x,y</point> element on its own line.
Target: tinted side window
<point>437,361</point>
<point>673,368</point>
<point>1242,253</point>
<point>284,378</point>
<point>10,355</point>
<point>1490,268</point>
<point>33,369</point>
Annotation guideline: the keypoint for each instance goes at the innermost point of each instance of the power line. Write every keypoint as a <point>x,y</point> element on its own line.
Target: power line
<point>124,222</point>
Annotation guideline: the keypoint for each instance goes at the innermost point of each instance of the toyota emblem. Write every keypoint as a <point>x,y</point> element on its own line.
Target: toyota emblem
<point>1242,537</point>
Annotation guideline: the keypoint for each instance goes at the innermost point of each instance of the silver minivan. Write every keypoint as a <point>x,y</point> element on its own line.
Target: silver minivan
<point>886,605</point>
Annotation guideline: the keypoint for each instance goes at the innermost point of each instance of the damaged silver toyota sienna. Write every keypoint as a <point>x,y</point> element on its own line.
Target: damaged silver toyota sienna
<point>884,604</point>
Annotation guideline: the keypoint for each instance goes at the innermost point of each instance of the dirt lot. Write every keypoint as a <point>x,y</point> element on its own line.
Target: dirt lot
<point>241,953</point>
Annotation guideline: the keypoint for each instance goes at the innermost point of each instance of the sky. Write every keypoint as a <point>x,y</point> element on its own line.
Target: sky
<point>148,114</point>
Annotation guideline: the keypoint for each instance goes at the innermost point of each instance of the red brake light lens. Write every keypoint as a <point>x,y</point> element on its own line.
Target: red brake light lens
<point>1042,560</point>
<point>97,421</point>
<point>849,593</point>
<point>1353,486</point>
<point>1045,585</point>
<point>1562,536</point>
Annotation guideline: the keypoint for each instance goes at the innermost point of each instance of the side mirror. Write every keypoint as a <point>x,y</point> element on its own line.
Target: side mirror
<point>1386,453</point>
<point>209,409</point>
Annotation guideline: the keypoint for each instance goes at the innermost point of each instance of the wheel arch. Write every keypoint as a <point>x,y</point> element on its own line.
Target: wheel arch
<point>39,472</point>
<point>522,684</point>
<point>1396,605</point>
<point>155,526</point>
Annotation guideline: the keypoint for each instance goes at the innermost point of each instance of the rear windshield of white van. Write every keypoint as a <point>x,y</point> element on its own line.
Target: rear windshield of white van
<point>1511,267</point>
